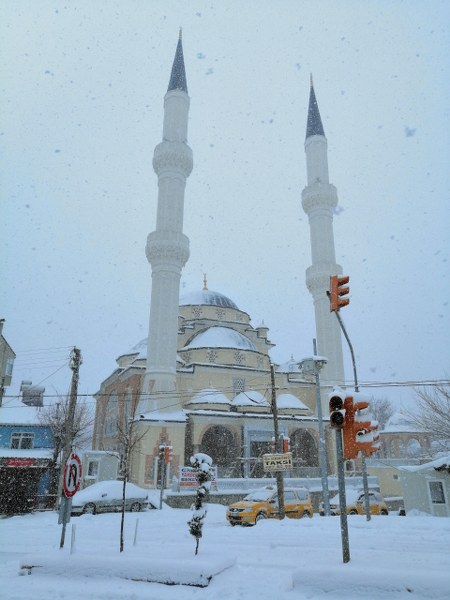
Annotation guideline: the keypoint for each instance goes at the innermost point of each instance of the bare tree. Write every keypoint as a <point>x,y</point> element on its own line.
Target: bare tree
<point>128,436</point>
<point>55,416</point>
<point>382,411</point>
<point>432,413</point>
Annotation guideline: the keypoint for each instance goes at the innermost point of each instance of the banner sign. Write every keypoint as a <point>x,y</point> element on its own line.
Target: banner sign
<point>186,478</point>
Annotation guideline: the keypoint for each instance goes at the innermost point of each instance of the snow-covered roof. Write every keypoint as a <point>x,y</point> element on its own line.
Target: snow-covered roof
<point>399,423</point>
<point>250,398</point>
<point>220,337</point>
<point>176,416</point>
<point>207,297</point>
<point>443,462</point>
<point>31,453</point>
<point>15,412</point>
<point>209,396</point>
<point>289,401</point>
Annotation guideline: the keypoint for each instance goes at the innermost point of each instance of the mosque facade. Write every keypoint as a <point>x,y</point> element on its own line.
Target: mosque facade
<point>202,381</point>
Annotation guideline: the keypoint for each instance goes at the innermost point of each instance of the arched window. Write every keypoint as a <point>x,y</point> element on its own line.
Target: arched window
<point>413,448</point>
<point>305,452</point>
<point>111,415</point>
<point>218,442</point>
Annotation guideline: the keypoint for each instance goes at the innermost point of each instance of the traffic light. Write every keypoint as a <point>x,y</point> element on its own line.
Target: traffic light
<point>286,444</point>
<point>168,454</point>
<point>338,288</point>
<point>161,453</point>
<point>360,432</point>
<point>337,409</point>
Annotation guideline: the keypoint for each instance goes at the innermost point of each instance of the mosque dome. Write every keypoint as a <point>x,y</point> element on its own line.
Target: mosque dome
<point>220,337</point>
<point>250,398</point>
<point>290,402</point>
<point>208,297</point>
<point>209,396</point>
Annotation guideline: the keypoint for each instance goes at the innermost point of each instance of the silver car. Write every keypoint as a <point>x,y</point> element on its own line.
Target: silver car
<point>106,496</point>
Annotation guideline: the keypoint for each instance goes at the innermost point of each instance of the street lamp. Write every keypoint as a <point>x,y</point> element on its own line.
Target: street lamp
<point>312,366</point>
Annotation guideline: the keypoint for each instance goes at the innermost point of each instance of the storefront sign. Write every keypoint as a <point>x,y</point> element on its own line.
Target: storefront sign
<point>277,462</point>
<point>20,462</point>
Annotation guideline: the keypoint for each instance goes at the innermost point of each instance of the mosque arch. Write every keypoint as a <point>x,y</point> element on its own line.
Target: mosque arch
<point>305,451</point>
<point>220,444</point>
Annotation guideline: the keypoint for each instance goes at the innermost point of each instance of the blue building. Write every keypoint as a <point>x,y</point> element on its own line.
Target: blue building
<point>26,453</point>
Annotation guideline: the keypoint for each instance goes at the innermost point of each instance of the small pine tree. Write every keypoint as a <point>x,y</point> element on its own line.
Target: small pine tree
<point>203,474</point>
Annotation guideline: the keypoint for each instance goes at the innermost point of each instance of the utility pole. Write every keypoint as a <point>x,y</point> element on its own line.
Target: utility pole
<point>75,362</point>
<point>278,448</point>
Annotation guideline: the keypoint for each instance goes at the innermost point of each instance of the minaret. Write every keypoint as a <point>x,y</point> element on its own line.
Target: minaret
<point>167,247</point>
<point>319,199</point>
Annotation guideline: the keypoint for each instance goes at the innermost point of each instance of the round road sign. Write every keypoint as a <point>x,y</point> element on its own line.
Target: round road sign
<point>72,475</point>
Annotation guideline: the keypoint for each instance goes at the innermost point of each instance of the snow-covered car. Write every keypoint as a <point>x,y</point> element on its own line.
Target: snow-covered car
<point>106,496</point>
<point>355,503</point>
<point>263,504</point>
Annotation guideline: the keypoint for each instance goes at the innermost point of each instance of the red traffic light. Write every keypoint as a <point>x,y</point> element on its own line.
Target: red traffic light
<point>337,410</point>
<point>359,428</point>
<point>338,288</point>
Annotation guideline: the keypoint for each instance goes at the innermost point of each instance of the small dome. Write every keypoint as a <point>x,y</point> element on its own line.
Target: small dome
<point>399,423</point>
<point>288,401</point>
<point>220,337</point>
<point>209,396</point>
<point>250,398</point>
<point>290,366</point>
<point>207,297</point>
<point>140,348</point>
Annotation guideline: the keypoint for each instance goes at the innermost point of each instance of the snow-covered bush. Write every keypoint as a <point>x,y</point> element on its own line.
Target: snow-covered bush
<point>203,474</point>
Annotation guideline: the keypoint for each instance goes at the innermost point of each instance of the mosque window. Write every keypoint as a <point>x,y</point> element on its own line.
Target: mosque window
<point>220,313</point>
<point>111,415</point>
<point>212,356</point>
<point>197,312</point>
<point>239,358</point>
<point>238,385</point>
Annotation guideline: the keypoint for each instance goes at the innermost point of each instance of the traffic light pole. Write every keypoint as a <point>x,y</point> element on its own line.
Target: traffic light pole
<point>323,450</point>
<point>342,499</point>
<point>363,457</point>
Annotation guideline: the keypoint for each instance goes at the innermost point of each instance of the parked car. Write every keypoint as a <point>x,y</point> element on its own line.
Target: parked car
<point>106,496</point>
<point>355,503</point>
<point>263,504</point>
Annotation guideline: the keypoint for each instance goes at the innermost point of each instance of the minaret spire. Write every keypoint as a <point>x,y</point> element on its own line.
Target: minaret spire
<point>314,123</point>
<point>178,73</point>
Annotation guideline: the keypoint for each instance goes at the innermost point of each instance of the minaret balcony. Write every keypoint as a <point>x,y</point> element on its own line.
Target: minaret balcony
<point>319,196</point>
<point>167,247</point>
<point>172,157</point>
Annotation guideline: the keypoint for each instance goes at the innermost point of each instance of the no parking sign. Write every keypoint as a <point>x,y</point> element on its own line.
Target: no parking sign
<point>72,475</point>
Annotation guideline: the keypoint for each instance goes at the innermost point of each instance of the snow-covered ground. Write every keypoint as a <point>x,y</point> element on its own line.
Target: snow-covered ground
<point>391,557</point>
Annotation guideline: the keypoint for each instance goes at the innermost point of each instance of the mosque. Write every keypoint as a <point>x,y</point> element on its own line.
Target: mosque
<point>203,380</point>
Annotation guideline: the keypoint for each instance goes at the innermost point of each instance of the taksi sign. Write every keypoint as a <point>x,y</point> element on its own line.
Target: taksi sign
<point>277,462</point>
<point>72,475</point>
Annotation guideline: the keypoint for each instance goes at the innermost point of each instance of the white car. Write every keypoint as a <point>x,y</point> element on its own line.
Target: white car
<point>106,496</point>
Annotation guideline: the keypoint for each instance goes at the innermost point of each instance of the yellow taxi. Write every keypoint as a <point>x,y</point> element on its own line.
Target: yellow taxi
<point>355,504</point>
<point>263,504</point>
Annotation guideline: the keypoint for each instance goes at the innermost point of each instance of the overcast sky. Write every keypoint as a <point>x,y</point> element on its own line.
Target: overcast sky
<point>82,109</point>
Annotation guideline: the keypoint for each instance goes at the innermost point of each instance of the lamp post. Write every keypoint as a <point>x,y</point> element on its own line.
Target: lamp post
<point>312,366</point>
